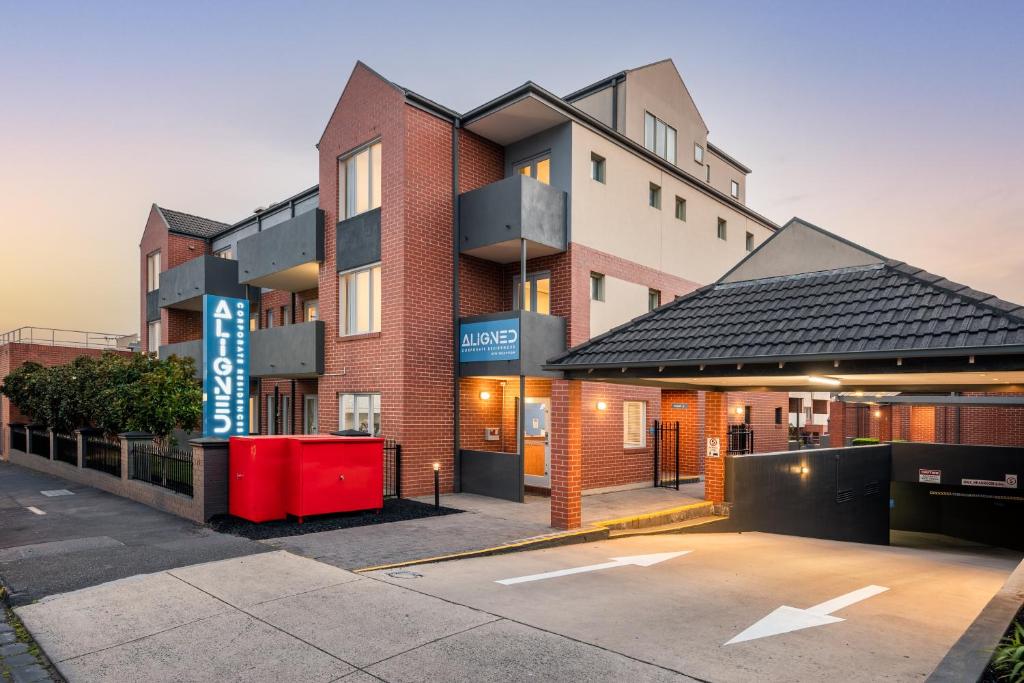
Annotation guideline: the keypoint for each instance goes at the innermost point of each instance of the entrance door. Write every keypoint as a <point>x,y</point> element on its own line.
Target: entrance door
<point>537,442</point>
<point>310,414</point>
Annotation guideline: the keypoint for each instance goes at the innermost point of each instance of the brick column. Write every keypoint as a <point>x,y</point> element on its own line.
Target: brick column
<point>127,440</point>
<point>53,446</point>
<point>566,454</point>
<point>837,424</point>
<point>716,420</point>
<point>209,477</point>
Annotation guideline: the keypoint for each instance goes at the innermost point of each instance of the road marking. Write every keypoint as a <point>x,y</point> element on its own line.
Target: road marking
<point>632,560</point>
<point>33,508</point>
<point>57,492</point>
<point>787,619</point>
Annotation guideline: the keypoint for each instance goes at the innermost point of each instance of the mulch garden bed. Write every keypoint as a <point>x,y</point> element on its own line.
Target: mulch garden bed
<point>395,510</point>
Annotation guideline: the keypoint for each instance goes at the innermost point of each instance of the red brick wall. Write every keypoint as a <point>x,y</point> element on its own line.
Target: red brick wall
<point>566,454</point>
<point>297,392</point>
<point>481,162</point>
<point>691,426</point>
<point>768,436</point>
<point>979,425</point>
<point>606,461</point>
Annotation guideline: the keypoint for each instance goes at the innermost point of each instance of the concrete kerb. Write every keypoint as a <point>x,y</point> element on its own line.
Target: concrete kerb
<point>969,657</point>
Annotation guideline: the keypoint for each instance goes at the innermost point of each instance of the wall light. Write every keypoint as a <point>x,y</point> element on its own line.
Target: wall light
<point>437,466</point>
<point>485,395</point>
<point>831,381</point>
<point>601,405</point>
<point>739,410</point>
<point>878,413</point>
<point>804,469</point>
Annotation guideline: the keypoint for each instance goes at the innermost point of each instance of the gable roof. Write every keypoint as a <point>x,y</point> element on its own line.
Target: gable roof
<point>886,309</point>
<point>191,225</point>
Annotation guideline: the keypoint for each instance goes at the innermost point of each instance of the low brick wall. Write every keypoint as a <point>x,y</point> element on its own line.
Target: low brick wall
<point>209,477</point>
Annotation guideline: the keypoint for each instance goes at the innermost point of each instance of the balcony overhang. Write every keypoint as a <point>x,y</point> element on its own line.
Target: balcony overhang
<point>496,218</point>
<point>189,349</point>
<point>183,287</point>
<point>516,120</point>
<point>288,351</point>
<point>285,257</point>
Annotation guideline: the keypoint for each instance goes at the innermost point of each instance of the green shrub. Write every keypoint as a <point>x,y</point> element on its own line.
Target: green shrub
<point>1008,658</point>
<point>865,441</point>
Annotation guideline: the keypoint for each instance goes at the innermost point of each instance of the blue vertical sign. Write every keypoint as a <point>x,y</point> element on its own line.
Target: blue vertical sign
<point>225,366</point>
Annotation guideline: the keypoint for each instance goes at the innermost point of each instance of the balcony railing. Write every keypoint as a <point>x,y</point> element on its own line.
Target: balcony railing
<point>285,257</point>
<point>56,337</point>
<point>184,286</point>
<point>289,351</point>
<point>494,218</point>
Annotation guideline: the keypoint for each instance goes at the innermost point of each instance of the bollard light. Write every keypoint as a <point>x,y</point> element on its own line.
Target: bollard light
<point>437,486</point>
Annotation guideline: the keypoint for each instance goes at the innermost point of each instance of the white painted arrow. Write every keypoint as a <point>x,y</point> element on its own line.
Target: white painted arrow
<point>786,619</point>
<point>635,560</point>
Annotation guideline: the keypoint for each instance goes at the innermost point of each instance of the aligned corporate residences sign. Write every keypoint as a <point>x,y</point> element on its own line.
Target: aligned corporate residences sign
<point>225,366</point>
<point>489,340</point>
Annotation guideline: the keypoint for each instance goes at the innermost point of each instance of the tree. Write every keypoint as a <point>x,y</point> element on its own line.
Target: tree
<point>163,397</point>
<point>20,387</point>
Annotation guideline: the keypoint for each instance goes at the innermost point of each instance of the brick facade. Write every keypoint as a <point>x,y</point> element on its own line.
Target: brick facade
<point>977,425</point>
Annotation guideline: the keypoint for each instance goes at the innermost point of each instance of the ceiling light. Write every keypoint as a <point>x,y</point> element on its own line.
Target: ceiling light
<point>831,381</point>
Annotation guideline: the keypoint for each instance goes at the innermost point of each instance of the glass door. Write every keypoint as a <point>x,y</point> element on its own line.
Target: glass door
<point>310,414</point>
<point>537,442</point>
<point>536,293</point>
<point>538,168</point>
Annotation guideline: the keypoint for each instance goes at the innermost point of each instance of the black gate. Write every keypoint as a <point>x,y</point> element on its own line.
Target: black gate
<point>666,454</point>
<point>392,469</point>
<point>741,439</point>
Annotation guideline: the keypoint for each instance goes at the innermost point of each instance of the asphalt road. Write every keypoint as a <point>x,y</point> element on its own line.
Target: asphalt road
<point>90,537</point>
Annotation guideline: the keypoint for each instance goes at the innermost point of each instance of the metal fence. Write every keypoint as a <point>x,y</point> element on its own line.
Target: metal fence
<point>65,448</point>
<point>392,469</point>
<point>103,454</point>
<point>169,468</point>
<point>18,437</point>
<point>741,439</point>
<point>49,336</point>
<point>666,454</point>
<point>39,444</point>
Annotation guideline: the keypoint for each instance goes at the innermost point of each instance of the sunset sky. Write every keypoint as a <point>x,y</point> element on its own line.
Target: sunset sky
<point>897,125</point>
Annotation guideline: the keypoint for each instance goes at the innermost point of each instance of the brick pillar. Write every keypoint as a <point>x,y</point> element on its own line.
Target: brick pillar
<point>885,425</point>
<point>566,454</point>
<point>128,439</point>
<point>837,424</point>
<point>209,477</point>
<point>716,420</point>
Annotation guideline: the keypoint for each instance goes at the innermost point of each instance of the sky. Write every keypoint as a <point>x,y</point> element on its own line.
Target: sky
<point>897,125</point>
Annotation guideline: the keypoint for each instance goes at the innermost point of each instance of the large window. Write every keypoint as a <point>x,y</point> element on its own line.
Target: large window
<point>359,301</point>
<point>360,412</point>
<point>538,167</point>
<point>311,310</point>
<point>153,271</point>
<point>153,337</point>
<point>659,137</point>
<point>359,182</point>
<point>634,422</point>
<point>225,253</point>
<point>536,293</point>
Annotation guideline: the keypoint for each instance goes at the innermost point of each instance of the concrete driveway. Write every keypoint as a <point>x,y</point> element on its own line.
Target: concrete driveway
<point>665,610</point>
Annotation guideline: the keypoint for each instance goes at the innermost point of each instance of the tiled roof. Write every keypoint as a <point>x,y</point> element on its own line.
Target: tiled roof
<point>887,307</point>
<point>197,226</point>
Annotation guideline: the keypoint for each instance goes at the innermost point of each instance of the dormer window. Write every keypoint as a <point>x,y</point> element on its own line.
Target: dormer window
<point>659,137</point>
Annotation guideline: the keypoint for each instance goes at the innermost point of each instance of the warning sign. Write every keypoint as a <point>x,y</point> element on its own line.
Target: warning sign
<point>929,476</point>
<point>1010,482</point>
<point>714,447</point>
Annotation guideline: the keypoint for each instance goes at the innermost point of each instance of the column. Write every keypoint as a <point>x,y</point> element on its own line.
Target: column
<point>716,420</point>
<point>837,424</point>
<point>566,454</point>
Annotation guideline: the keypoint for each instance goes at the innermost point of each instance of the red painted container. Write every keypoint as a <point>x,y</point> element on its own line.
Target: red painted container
<point>334,474</point>
<point>257,474</point>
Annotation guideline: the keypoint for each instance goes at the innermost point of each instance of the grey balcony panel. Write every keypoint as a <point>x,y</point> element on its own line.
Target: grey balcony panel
<point>358,241</point>
<point>288,351</point>
<point>152,305</point>
<point>189,349</point>
<point>541,337</point>
<point>494,218</point>
<point>184,286</point>
<point>286,256</point>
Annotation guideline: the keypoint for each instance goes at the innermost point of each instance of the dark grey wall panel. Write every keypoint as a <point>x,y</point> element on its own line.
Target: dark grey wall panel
<point>956,462</point>
<point>491,474</point>
<point>358,241</point>
<point>190,349</point>
<point>153,305</point>
<point>295,242</point>
<point>843,495</point>
<point>291,351</point>
<point>514,208</point>
<point>541,337</point>
<point>184,285</point>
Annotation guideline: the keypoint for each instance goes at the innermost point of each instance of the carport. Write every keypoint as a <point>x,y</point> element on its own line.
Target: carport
<point>807,310</point>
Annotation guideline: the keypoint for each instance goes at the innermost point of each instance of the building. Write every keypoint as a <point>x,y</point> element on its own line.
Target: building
<point>444,258</point>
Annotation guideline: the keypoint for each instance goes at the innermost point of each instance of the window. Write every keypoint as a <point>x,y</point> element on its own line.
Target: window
<point>680,208</point>
<point>808,415</point>
<point>634,422</point>
<point>536,293</point>
<point>153,337</point>
<point>359,181</point>
<point>722,229</point>
<point>279,418</point>
<point>153,271</point>
<point>597,287</point>
<point>254,414</point>
<point>778,416</point>
<point>596,168</point>
<point>225,253</point>
<point>653,299</point>
<point>698,153</point>
<point>360,412</point>
<point>539,168</point>
<point>254,321</point>
<point>735,189</point>
<point>311,311</point>
<point>286,315</point>
<point>746,415</point>
<point>270,318</point>
<point>359,301</point>
<point>654,196</point>
<point>659,137</point>
<point>750,242</point>
<point>707,173</point>
<point>271,415</point>
<point>310,414</point>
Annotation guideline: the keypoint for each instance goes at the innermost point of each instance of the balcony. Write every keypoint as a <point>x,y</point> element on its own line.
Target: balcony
<point>538,338</point>
<point>289,351</point>
<point>358,241</point>
<point>494,218</point>
<point>189,349</point>
<point>183,287</point>
<point>287,256</point>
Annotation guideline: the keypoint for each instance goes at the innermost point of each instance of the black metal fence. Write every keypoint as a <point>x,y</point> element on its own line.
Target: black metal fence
<point>18,437</point>
<point>40,441</point>
<point>666,454</point>
<point>392,469</point>
<point>169,468</point>
<point>741,439</point>
<point>65,448</point>
<point>102,454</point>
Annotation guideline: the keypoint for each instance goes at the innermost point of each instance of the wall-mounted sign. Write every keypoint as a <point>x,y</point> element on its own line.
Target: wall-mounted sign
<point>929,476</point>
<point>1009,482</point>
<point>680,406</point>
<point>489,340</point>
<point>714,447</point>
<point>225,366</point>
